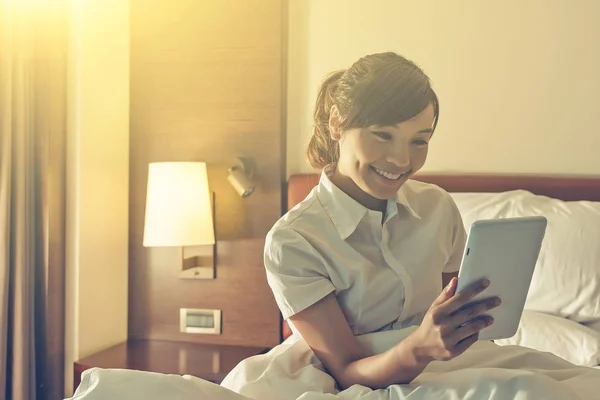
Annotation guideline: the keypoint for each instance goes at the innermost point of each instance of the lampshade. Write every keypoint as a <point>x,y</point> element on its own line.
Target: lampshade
<point>178,206</point>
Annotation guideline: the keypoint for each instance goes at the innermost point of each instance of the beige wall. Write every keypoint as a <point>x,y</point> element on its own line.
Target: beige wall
<point>97,178</point>
<point>518,80</point>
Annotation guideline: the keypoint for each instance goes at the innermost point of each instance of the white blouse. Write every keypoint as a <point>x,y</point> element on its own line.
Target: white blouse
<point>385,276</point>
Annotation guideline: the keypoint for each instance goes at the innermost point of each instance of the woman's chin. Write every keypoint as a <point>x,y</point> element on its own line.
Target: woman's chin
<point>380,193</point>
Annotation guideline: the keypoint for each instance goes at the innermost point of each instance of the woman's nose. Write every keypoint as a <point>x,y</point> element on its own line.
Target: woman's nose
<point>399,155</point>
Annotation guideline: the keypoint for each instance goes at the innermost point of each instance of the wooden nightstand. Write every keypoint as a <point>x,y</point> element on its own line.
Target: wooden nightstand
<point>206,361</point>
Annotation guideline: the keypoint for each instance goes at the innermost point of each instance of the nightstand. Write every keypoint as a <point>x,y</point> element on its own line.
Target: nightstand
<point>206,361</point>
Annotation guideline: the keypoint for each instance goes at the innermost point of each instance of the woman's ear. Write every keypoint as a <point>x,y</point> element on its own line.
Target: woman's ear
<point>334,124</point>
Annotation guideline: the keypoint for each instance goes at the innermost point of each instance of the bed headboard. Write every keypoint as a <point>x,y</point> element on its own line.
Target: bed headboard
<point>557,186</point>
<point>568,188</point>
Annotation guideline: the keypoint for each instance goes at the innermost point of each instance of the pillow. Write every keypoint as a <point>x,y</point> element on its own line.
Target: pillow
<point>566,281</point>
<point>120,384</point>
<point>567,339</point>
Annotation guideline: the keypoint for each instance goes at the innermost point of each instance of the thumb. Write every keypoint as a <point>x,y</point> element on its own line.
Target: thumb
<point>447,293</point>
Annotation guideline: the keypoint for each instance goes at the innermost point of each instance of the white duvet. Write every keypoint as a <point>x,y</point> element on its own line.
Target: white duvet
<point>290,371</point>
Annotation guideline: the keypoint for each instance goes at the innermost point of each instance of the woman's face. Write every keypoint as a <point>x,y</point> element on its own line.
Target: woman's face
<point>375,161</point>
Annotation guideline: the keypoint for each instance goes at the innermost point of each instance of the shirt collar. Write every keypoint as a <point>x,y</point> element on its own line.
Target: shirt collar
<point>345,212</point>
<point>401,199</point>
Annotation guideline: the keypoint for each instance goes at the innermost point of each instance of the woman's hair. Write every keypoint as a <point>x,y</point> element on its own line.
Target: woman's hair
<point>378,89</point>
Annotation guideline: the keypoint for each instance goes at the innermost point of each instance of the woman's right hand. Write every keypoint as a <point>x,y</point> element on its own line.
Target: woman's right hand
<point>451,326</point>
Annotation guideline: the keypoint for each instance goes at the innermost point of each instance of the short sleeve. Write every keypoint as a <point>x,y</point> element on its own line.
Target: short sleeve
<point>459,239</point>
<point>296,272</point>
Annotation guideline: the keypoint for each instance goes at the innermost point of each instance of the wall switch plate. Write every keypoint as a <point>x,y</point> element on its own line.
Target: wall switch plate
<point>196,320</point>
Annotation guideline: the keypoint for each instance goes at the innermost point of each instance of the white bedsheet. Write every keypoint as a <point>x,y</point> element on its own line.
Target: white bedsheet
<point>290,371</point>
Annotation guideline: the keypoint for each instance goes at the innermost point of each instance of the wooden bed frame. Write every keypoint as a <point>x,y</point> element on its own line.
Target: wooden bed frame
<point>568,188</point>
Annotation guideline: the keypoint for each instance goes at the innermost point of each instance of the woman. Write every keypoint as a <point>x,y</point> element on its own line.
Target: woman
<point>345,261</point>
<point>368,251</point>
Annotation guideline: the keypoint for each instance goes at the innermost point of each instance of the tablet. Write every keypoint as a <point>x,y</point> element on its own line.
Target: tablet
<point>505,251</point>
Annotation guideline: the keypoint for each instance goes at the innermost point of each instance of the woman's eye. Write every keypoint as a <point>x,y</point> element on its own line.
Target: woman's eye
<point>383,135</point>
<point>420,142</point>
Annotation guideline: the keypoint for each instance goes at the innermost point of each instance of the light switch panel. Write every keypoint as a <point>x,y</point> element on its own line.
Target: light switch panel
<point>195,320</point>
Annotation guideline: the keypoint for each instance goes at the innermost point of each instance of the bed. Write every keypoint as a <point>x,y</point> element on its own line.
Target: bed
<point>489,193</point>
<point>563,322</point>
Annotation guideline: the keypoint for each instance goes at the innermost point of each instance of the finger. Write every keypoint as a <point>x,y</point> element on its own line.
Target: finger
<point>447,293</point>
<point>473,310</point>
<point>465,295</point>
<point>464,344</point>
<point>472,327</point>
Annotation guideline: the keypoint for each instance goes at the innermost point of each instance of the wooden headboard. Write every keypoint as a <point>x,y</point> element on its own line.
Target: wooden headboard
<point>568,188</point>
<point>557,186</point>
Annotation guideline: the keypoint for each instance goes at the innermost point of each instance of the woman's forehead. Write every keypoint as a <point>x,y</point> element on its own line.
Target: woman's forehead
<point>421,122</point>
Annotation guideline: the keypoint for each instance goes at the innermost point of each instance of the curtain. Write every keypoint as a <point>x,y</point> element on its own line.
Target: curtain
<point>33,70</point>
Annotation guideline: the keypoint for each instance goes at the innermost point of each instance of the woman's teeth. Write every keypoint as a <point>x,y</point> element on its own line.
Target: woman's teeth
<point>387,174</point>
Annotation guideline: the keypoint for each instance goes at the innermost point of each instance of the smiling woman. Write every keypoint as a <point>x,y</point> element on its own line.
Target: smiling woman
<point>367,250</point>
<point>375,163</point>
<point>374,121</point>
<point>365,255</point>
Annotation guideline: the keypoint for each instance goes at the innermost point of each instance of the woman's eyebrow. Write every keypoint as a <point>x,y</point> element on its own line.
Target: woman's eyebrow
<point>384,128</point>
